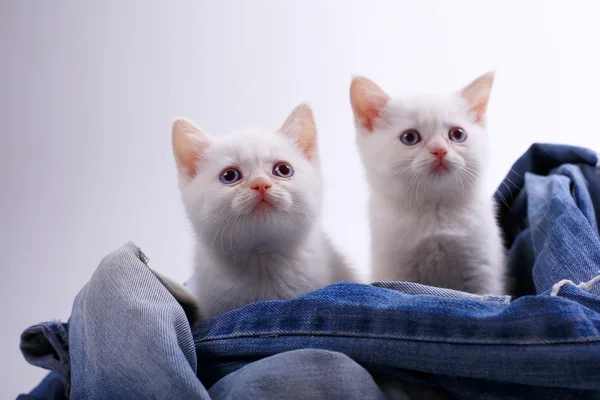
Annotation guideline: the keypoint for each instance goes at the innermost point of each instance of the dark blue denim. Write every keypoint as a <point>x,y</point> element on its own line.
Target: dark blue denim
<point>514,206</point>
<point>544,344</point>
<point>53,386</point>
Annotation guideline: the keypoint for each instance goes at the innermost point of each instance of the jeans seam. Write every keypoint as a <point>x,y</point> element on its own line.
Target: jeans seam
<point>581,285</point>
<point>267,334</point>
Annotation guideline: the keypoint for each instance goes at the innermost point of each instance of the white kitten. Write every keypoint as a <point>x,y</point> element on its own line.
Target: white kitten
<point>431,220</point>
<point>254,200</point>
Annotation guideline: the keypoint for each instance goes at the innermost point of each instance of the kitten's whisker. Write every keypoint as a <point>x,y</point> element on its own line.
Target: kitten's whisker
<point>223,231</point>
<point>508,179</point>
<point>418,185</point>
<point>231,243</point>
<point>299,210</point>
<point>512,199</point>
<point>503,199</point>
<point>459,178</point>
<point>212,219</point>
<point>474,171</point>
<point>237,231</point>
<point>471,180</point>
<point>516,173</point>
<point>244,217</point>
<point>214,239</point>
<point>414,177</point>
<point>289,220</point>
<point>470,173</point>
<point>209,223</point>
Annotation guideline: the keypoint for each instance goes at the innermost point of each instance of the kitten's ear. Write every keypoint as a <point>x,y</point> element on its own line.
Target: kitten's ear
<point>301,128</point>
<point>189,143</point>
<point>477,94</point>
<point>368,101</point>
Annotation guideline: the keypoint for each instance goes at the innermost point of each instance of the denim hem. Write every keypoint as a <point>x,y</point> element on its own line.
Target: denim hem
<point>413,288</point>
<point>464,341</point>
<point>46,345</point>
<point>356,310</point>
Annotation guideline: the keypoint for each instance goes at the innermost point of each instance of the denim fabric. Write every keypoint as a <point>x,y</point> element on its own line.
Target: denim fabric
<point>128,337</point>
<point>53,387</point>
<point>563,228</point>
<point>299,374</point>
<point>514,203</point>
<point>542,341</point>
<point>46,345</point>
<point>417,288</point>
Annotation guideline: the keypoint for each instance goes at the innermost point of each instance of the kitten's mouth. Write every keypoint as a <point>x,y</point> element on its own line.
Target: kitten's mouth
<point>441,168</point>
<point>262,204</point>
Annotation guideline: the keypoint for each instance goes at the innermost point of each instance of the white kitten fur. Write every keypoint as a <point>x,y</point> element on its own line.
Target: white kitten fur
<point>436,228</point>
<point>247,253</point>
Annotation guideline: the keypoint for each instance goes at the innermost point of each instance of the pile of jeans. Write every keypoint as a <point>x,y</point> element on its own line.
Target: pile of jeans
<point>130,338</point>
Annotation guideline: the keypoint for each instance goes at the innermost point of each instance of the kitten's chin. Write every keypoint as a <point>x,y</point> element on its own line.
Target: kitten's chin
<point>262,206</point>
<point>443,169</point>
<point>440,170</point>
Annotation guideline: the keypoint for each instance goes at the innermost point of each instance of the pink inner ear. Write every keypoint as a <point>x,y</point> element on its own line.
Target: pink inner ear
<point>368,102</point>
<point>307,142</point>
<point>189,144</point>
<point>190,162</point>
<point>370,116</point>
<point>300,127</point>
<point>477,95</point>
<point>479,111</point>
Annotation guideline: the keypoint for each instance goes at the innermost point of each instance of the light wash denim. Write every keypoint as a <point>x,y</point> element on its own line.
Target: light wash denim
<point>129,337</point>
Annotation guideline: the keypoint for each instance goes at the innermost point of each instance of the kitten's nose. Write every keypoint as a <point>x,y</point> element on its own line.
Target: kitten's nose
<point>439,153</point>
<point>261,186</point>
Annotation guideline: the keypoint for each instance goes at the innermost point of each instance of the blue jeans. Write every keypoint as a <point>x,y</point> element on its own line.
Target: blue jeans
<point>129,337</point>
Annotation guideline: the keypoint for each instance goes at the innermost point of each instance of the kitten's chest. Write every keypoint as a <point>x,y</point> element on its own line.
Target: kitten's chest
<point>276,276</point>
<point>260,277</point>
<point>411,228</point>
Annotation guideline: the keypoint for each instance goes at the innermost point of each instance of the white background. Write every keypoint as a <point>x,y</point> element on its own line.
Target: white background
<point>88,92</point>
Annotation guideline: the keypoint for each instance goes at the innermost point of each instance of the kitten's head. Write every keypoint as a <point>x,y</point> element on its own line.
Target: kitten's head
<point>423,147</point>
<point>250,189</point>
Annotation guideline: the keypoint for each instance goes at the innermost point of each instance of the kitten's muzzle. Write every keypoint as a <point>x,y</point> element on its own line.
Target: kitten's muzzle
<point>261,186</point>
<point>440,164</point>
<point>263,197</point>
<point>262,202</point>
<point>439,153</point>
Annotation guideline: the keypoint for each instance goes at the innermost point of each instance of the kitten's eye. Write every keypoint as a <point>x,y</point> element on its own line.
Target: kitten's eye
<point>457,135</point>
<point>283,170</point>
<point>230,175</point>
<point>410,137</point>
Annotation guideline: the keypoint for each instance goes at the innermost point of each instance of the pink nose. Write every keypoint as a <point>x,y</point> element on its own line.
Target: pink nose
<point>261,186</point>
<point>439,153</point>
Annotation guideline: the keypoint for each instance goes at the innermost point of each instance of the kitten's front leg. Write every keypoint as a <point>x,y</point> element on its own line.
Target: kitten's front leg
<point>485,280</point>
<point>388,266</point>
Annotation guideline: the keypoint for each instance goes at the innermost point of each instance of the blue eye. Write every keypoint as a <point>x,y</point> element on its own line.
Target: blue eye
<point>283,170</point>
<point>230,175</point>
<point>410,137</point>
<point>457,135</point>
